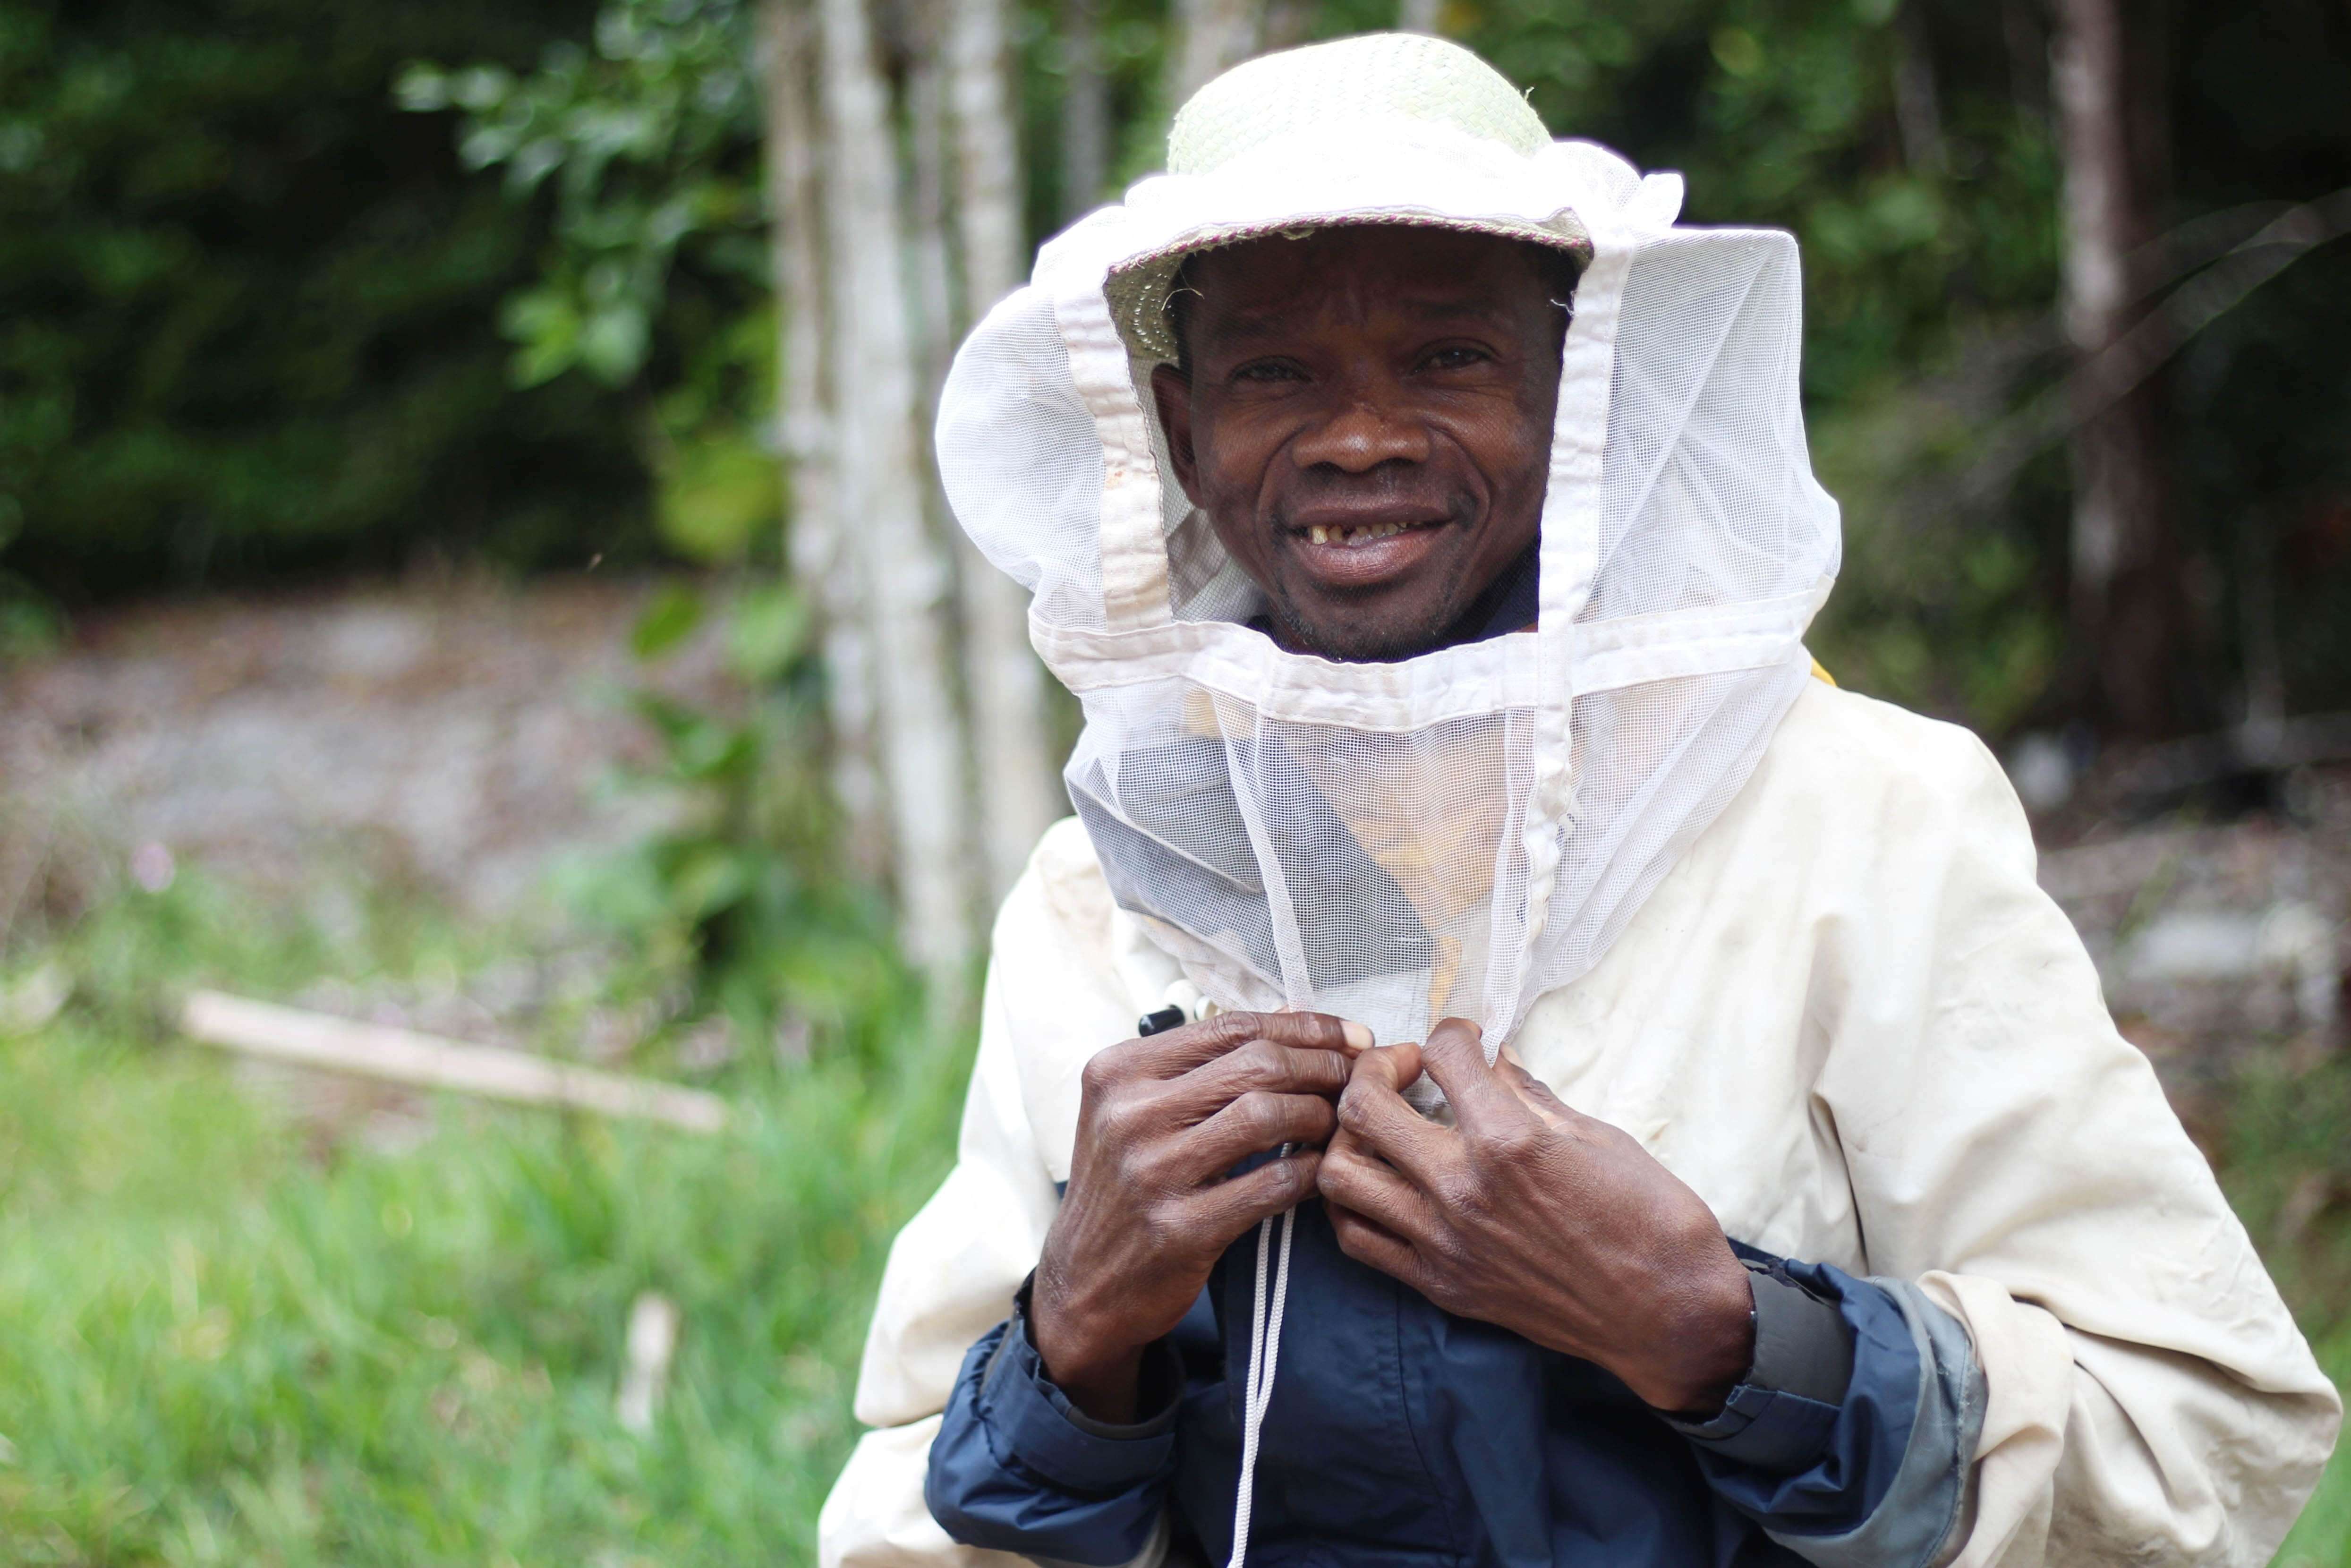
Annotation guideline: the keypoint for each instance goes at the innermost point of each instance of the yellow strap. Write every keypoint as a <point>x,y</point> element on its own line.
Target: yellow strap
<point>1821,674</point>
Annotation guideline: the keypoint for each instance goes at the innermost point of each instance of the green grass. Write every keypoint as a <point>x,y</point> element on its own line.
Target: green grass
<point>226,1339</point>
<point>221,1342</point>
<point>2287,1167</point>
<point>2322,1536</point>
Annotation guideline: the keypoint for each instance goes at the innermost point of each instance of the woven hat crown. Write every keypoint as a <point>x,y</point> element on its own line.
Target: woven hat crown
<point>1381,83</point>
<point>1378,76</point>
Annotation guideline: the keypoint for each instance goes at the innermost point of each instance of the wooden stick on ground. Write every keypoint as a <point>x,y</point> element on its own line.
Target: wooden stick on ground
<point>405,1056</point>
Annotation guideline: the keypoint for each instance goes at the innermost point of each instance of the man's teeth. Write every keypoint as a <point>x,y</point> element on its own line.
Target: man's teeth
<point>1363,535</point>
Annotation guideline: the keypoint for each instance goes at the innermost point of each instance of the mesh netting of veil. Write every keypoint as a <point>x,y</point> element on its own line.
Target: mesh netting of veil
<point>1459,832</point>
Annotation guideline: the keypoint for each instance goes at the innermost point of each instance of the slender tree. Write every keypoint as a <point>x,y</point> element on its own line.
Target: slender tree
<point>926,96</point>
<point>1917,105</point>
<point>1019,793</point>
<point>1420,15</point>
<point>1085,109</point>
<point>1205,38</point>
<point>2127,607</point>
<point>819,563</point>
<point>904,574</point>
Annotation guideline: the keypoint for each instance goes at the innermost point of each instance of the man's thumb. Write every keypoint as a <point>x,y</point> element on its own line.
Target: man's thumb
<point>1392,1067</point>
<point>1456,1058</point>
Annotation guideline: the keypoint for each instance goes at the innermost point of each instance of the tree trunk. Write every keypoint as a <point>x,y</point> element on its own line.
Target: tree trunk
<point>1420,15</point>
<point>829,580</point>
<point>1206,37</point>
<point>904,574</point>
<point>1019,791</point>
<point>927,207</point>
<point>1290,23</point>
<point>1085,110</point>
<point>2129,611</point>
<point>1917,106</point>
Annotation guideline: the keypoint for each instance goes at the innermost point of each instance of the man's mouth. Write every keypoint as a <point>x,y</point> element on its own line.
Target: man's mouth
<point>1377,553</point>
<point>1363,534</point>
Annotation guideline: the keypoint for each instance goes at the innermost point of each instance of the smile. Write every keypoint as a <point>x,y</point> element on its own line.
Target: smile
<point>1368,533</point>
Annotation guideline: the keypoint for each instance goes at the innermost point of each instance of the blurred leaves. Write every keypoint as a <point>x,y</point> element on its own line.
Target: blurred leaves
<point>246,307</point>
<point>769,629</point>
<point>728,895</point>
<point>248,294</point>
<point>342,1346</point>
<point>671,616</point>
<point>642,139</point>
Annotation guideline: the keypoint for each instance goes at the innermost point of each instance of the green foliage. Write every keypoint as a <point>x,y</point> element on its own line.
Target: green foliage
<point>719,497</point>
<point>230,1336</point>
<point>248,304</point>
<point>737,900</point>
<point>2286,1167</point>
<point>655,273</point>
<point>245,306</point>
<point>645,142</point>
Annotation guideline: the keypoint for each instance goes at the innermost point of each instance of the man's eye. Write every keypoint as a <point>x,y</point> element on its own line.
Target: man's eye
<point>1269,371</point>
<point>1459,357</point>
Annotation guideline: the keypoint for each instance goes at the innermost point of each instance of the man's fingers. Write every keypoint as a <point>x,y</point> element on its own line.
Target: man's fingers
<point>1380,1121</point>
<point>1228,1209</point>
<point>1367,1241</point>
<point>1454,1055</point>
<point>1260,1066</point>
<point>1354,1179</point>
<point>1258,1121</point>
<point>1180,1049</point>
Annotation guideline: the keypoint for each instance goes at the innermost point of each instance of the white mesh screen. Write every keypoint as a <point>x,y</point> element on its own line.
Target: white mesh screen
<point>1709,497</point>
<point>1020,460</point>
<point>1399,843</point>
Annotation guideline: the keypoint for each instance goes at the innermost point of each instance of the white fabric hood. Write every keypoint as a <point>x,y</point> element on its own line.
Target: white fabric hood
<point>1459,832</point>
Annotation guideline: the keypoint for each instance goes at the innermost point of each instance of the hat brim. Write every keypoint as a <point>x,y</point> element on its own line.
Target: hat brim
<point>1137,290</point>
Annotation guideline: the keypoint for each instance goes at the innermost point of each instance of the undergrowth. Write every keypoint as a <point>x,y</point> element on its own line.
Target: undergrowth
<point>225,1339</point>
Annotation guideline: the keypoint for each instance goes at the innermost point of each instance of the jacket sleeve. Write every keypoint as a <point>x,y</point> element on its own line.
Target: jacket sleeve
<point>951,1275</point>
<point>2013,1162</point>
<point>1017,1467</point>
<point>1053,995</point>
<point>1851,1436</point>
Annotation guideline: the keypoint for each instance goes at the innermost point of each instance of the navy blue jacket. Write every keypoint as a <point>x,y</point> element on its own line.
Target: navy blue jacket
<point>1399,1434</point>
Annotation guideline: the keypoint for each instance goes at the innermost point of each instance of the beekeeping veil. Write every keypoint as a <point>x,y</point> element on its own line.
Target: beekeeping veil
<point>1456,833</point>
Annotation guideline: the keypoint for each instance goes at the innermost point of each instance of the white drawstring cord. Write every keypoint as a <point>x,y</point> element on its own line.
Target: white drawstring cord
<point>1265,1345</point>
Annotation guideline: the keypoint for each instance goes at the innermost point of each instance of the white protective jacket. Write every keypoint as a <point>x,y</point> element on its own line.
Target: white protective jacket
<point>1851,1020</point>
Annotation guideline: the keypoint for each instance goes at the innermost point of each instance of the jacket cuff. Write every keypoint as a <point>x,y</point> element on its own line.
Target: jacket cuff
<point>1025,1410</point>
<point>1780,1416</point>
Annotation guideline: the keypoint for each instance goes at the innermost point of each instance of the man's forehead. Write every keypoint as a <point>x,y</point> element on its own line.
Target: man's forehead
<point>1265,284</point>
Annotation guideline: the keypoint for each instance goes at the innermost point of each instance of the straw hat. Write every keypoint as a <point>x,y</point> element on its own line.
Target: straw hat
<point>1367,88</point>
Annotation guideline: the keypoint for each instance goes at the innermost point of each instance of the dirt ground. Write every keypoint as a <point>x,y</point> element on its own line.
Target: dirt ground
<point>454,736</point>
<point>460,737</point>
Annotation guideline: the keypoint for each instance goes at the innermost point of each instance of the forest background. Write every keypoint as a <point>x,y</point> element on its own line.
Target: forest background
<point>296,293</point>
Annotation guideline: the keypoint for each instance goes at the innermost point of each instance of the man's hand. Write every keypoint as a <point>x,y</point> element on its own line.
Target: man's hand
<point>1150,1208</point>
<point>1529,1214</point>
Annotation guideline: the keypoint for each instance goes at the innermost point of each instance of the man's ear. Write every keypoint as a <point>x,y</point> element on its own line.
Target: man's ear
<point>1171,389</point>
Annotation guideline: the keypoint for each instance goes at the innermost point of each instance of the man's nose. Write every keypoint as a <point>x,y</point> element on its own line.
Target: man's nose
<point>1361,434</point>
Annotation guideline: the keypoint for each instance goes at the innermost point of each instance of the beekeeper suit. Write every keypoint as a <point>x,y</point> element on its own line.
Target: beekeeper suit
<point>1785,938</point>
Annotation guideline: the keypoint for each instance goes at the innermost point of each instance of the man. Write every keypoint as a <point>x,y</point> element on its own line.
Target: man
<point>1696,1139</point>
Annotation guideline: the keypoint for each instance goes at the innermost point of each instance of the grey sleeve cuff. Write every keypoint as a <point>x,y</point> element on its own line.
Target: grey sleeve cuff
<point>1916,1522</point>
<point>1803,1344</point>
<point>1780,1416</point>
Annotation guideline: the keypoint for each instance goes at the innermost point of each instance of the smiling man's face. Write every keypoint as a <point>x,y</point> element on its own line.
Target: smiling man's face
<point>1366,417</point>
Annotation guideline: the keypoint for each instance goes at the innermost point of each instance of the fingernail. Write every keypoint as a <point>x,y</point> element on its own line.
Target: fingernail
<point>1359,1038</point>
